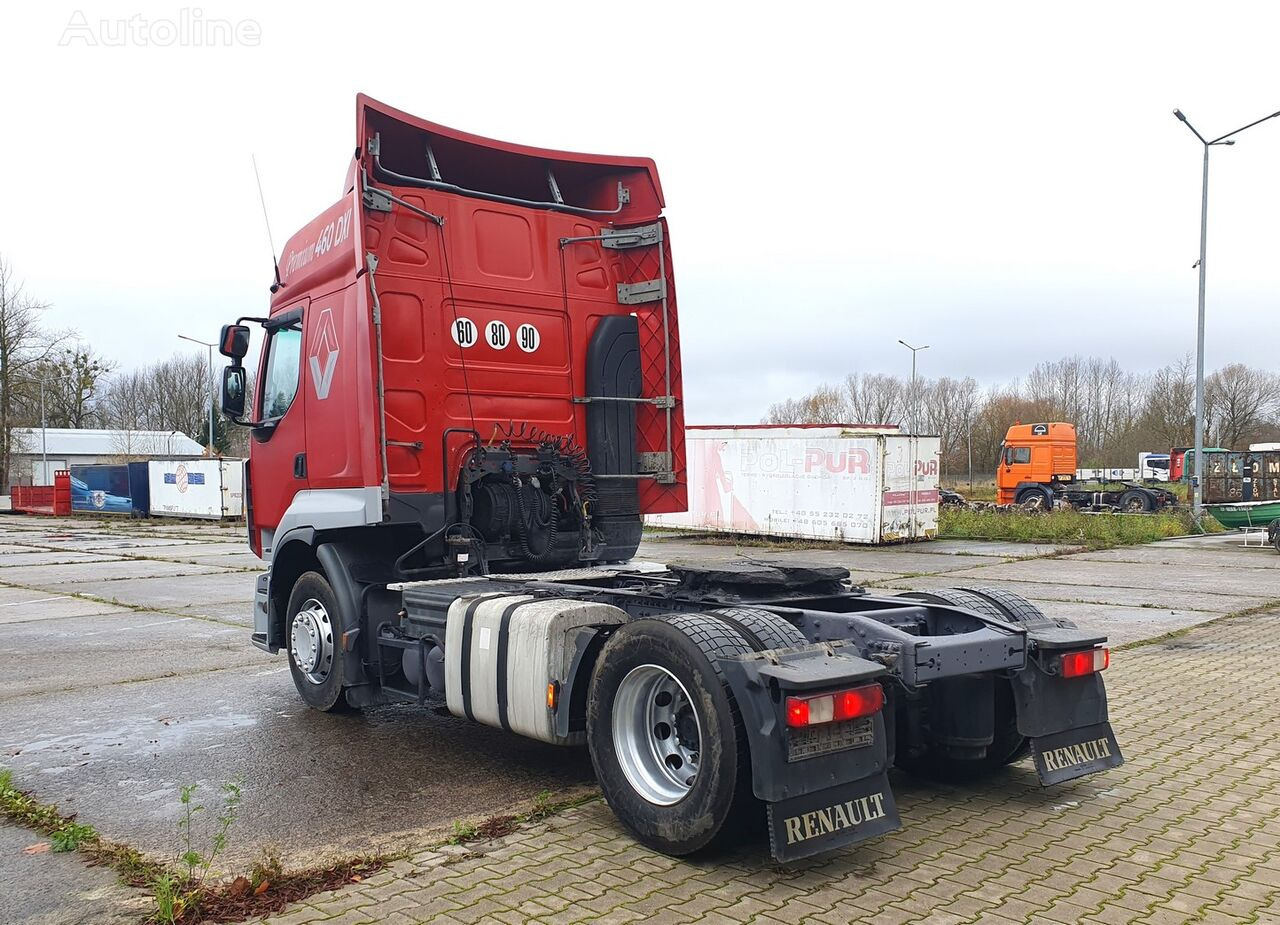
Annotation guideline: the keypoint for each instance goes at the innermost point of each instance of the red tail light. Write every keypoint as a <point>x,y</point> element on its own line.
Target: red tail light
<point>833,707</point>
<point>1078,664</point>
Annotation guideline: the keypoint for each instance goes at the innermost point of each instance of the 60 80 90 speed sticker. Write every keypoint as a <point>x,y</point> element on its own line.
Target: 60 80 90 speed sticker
<point>466,333</point>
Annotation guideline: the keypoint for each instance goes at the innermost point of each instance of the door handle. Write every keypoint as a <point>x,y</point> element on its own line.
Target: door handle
<point>300,466</point>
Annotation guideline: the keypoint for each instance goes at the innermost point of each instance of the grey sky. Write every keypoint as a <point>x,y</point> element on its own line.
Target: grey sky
<point>1002,181</point>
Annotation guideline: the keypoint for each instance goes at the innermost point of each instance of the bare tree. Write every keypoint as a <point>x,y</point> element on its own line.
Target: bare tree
<point>73,378</point>
<point>1168,413</point>
<point>1238,401</point>
<point>948,408</point>
<point>824,405</point>
<point>876,398</point>
<point>24,345</point>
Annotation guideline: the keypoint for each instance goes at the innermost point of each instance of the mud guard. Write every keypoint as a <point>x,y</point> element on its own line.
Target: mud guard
<point>1048,703</point>
<point>1065,719</point>
<point>824,788</point>
<point>1075,753</point>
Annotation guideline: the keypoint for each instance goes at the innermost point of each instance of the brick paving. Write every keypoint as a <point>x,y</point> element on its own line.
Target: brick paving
<point>1188,830</point>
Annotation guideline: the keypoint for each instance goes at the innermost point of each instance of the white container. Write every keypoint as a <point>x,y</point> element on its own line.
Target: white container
<point>203,488</point>
<point>1106,475</point>
<point>538,642</point>
<point>852,484</point>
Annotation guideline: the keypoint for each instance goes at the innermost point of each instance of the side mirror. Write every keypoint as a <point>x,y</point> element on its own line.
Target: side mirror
<point>233,389</point>
<point>234,342</point>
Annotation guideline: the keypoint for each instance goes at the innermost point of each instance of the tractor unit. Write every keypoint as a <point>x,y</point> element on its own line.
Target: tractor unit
<point>468,394</point>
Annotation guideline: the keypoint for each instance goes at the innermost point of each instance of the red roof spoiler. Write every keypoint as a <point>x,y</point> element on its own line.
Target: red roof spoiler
<point>403,150</point>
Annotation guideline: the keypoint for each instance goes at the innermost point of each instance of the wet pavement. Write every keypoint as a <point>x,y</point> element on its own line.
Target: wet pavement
<point>130,675</point>
<point>43,887</point>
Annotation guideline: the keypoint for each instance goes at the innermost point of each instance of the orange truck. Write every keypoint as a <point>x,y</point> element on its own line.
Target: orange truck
<point>1037,469</point>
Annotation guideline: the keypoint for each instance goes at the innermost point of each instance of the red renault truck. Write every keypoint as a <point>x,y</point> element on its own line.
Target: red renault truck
<point>468,394</point>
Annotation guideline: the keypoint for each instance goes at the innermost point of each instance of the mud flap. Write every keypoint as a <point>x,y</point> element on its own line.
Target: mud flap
<point>833,818</point>
<point>1065,756</point>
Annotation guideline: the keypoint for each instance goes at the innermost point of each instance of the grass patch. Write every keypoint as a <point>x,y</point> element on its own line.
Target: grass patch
<point>65,834</point>
<point>1076,528</point>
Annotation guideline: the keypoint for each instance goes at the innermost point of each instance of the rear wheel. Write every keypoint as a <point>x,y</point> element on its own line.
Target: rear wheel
<point>1136,501</point>
<point>665,734</point>
<point>313,628</point>
<point>771,630</point>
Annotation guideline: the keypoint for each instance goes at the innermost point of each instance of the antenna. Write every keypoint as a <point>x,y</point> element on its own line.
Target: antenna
<point>263,199</point>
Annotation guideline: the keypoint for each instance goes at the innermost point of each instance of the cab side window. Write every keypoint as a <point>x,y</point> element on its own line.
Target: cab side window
<point>284,359</point>
<point>1017,454</point>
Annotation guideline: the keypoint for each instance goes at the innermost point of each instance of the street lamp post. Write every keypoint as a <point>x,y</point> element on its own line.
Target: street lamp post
<point>915,406</point>
<point>205,343</point>
<point>44,419</point>
<point>1197,480</point>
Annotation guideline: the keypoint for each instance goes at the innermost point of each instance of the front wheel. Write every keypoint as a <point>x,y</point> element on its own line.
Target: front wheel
<point>1034,499</point>
<point>665,734</point>
<point>313,629</point>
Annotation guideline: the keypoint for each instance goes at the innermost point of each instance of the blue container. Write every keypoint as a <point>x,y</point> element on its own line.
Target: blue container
<point>116,489</point>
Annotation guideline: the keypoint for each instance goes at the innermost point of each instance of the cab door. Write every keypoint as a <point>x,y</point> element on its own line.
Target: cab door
<point>278,455</point>
<point>1015,467</point>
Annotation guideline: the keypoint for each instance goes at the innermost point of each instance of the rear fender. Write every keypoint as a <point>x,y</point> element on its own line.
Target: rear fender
<point>1048,703</point>
<point>761,681</point>
<point>825,787</point>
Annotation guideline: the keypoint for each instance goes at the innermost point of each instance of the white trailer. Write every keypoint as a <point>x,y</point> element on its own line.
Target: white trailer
<point>853,484</point>
<point>202,488</point>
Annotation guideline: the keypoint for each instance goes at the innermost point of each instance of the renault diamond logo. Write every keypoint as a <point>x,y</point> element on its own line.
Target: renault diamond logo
<point>324,354</point>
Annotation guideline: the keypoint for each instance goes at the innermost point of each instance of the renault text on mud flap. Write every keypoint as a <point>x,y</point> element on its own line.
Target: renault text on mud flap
<point>833,818</point>
<point>1070,756</point>
<point>1067,755</point>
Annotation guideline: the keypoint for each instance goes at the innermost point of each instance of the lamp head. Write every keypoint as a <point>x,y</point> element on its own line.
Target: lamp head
<point>1181,117</point>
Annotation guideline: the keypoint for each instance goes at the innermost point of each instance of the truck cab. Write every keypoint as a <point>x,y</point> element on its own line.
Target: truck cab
<point>1034,455</point>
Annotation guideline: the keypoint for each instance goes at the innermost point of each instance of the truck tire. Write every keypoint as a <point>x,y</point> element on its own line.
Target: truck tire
<point>959,597</point>
<point>665,735</point>
<point>313,630</point>
<point>1012,606</point>
<point>771,630</point>
<point>1034,498</point>
<point>1136,501</point>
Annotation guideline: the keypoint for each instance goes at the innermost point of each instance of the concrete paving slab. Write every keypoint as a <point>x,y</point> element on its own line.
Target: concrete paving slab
<point>57,576</point>
<point>189,593</point>
<point>10,547</point>
<point>1216,577</point>
<point>237,612</point>
<point>1123,625</point>
<point>52,888</point>
<point>996,549</point>
<point>1253,557</point>
<point>35,606</point>
<point>93,543</point>
<point>88,652</point>
<point>1123,597</point>
<point>229,560</point>
<point>44,557</point>
<point>191,548</point>
<point>118,754</point>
